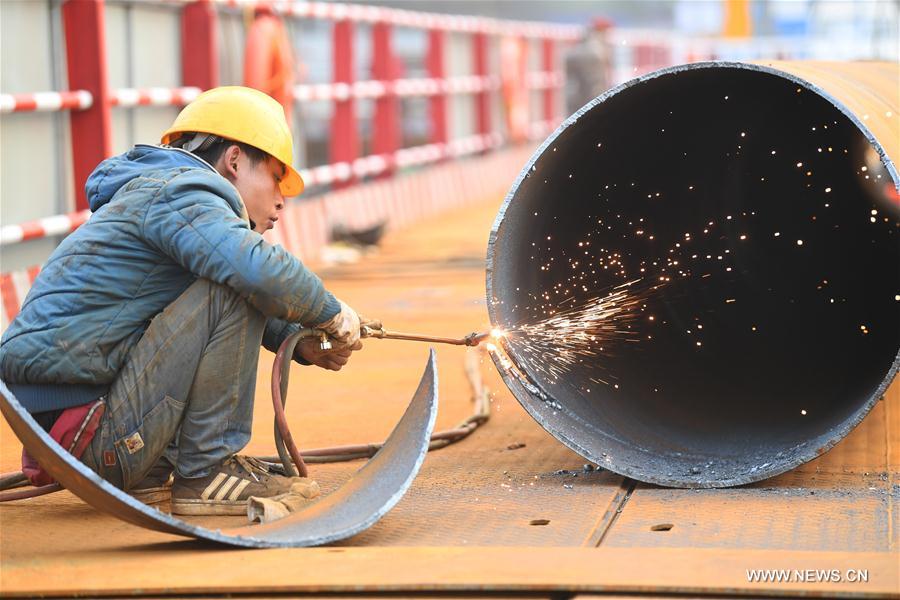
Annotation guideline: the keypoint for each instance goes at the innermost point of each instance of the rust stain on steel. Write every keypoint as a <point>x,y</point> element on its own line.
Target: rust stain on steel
<point>351,509</point>
<point>842,501</point>
<point>689,149</point>
<point>868,92</point>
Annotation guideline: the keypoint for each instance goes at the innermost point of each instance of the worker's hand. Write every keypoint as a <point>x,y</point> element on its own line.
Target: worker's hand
<point>373,324</point>
<point>333,360</point>
<point>342,328</point>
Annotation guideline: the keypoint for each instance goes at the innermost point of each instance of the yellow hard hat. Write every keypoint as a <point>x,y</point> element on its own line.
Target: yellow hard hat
<point>244,115</point>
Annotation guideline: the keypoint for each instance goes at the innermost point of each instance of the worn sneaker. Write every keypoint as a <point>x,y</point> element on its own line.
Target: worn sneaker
<point>156,486</point>
<point>226,489</point>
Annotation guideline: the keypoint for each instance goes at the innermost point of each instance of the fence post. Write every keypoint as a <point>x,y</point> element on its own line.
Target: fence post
<point>482,98</point>
<point>550,92</point>
<point>91,129</point>
<point>386,126</point>
<point>199,45</point>
<point>344,134</point>
<point>434,63</point>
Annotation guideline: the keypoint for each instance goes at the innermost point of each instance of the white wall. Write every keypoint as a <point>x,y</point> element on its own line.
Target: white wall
<point>35,164</point>
<point>143,50</point>
<point>459,60</point>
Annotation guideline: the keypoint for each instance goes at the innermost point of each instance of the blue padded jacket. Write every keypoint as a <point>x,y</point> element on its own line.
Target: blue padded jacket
<point>161,219</point>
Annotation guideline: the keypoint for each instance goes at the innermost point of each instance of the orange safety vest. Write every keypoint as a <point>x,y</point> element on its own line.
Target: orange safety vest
<point>269,60</point>
<point>514,70</point>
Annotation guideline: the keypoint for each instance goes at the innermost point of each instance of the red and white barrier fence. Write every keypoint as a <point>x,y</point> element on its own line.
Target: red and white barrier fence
<point>361,167</point>
<point>13,289</point>
<point>56,225</point>
<point>91,124</point>
<point>408,18</point>
<point>425,86</point>
<point>46,101</point>
<point>542,80</point>
<point>155,96</point>
<point>397,197</point>
<point>82,100</point>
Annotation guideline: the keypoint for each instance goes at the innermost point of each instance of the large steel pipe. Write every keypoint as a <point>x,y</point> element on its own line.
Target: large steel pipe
<point>699,271</point>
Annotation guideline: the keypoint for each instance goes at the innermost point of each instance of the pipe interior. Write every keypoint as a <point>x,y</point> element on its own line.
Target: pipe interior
<point>766,273</point>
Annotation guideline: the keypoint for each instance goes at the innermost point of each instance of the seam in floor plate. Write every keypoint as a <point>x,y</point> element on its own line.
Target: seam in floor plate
<point>615,508</point>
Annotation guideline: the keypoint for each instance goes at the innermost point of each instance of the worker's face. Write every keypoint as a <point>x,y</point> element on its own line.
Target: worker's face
<point>258,185</point>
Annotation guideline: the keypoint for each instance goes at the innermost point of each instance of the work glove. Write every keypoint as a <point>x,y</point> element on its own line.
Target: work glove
<point>308,351</point>
<point>370,323</point>
<point>342,328</point>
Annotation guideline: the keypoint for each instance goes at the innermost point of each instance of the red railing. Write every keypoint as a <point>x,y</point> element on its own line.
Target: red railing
<point>92,100</point>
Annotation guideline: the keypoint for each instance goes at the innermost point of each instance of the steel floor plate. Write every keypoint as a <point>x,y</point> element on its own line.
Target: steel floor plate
<point>840,510</point>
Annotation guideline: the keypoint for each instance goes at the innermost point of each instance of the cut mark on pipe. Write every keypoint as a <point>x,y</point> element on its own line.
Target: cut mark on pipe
<point>662,527</point>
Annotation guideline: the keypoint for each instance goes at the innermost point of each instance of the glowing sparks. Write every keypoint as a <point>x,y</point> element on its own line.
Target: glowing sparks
<point>572,337</point>
<point>572,327</point>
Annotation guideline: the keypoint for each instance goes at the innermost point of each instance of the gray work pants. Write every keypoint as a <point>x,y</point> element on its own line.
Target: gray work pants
<point>186,389</point>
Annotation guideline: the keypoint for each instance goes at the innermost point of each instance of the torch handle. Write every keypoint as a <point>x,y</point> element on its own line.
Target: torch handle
<point>472,339</point>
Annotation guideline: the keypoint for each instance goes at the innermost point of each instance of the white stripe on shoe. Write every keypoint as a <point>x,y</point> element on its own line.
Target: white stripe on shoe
<point>226,487</point>
<point>213,485</point>
<point>238,489</point>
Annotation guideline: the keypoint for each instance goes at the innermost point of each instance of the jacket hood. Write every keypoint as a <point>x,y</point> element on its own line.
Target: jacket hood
<point>115,172</point>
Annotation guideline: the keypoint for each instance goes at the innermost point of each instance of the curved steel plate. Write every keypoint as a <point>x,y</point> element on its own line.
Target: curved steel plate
<point>353,508</point>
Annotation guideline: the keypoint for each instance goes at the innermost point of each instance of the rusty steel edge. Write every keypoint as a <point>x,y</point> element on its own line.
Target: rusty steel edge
<point>351,509</point>
<point>834,82</point>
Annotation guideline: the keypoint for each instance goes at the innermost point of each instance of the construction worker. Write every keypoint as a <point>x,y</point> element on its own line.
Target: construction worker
<point>589,65</point>
<point>157,307</point>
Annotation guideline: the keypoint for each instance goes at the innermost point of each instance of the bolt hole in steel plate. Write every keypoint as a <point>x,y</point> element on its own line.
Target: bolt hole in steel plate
<point>757,216</point>
<point>351,509</point>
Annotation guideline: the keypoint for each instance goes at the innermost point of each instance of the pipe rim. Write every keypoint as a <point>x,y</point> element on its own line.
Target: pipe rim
<point>815,447</point>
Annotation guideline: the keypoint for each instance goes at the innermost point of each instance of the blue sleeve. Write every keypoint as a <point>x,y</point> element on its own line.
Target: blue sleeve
<point>276,332</point>
<point>191,222</point>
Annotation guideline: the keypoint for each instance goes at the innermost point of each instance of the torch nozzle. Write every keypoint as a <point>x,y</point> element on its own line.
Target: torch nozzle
<point>473,339</point>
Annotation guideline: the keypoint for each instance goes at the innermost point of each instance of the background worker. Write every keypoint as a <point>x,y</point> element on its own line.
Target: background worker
<point>589,65</point>
<point>157,306</point>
